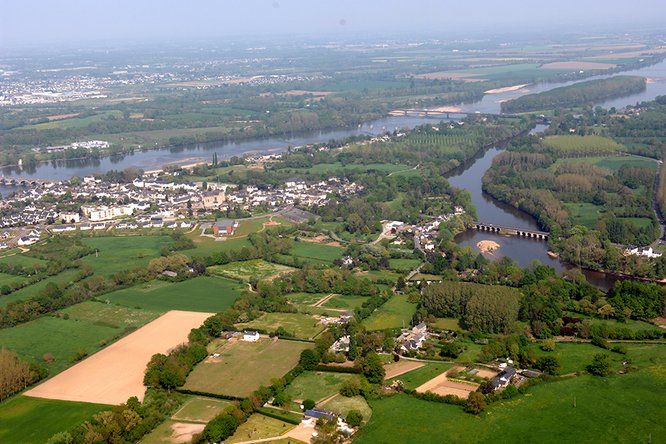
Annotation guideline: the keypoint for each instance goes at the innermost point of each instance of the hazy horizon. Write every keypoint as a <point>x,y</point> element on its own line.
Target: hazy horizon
<point>78,22</point>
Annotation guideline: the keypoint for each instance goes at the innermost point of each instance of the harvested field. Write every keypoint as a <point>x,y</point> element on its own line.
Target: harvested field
<point>578,65</point>
<point>441,385</point>
<point>116,373</point>
<point>401,367</point>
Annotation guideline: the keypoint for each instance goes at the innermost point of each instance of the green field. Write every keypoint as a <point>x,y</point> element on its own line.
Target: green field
<point>246,270</point>
<point>244,366</point>
<point>35,420</point>
<point>6,279</point>
<point>301,326</point>
<point>446,324</point>
<point>612,163</point>
<point>305,298</point>
<point>397,312</point>
<point>342,405</point>
<point>403,265</point>
<point>200,409</point>
<point>627,408</point>
<point>122,253</point>
<point>205,293</point>
<point>317,253</point>
<point>575,357</point>
<point>317,385</point>
<point>20,259</point>
<point>32,290</point>
<point>345,302</point>
<point>593,145</point>
<point>206,246</point>
<point>583,213</point>
<point>90,327</point>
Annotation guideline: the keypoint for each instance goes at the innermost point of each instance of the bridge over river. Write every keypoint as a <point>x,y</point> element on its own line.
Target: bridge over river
<point>512,231</point>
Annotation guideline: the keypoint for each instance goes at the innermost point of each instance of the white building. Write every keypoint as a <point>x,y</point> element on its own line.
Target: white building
<point>96,214</point>
<point>250,336</point>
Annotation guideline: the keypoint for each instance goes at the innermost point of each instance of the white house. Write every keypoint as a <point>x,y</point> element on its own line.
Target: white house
<point>250,336</point>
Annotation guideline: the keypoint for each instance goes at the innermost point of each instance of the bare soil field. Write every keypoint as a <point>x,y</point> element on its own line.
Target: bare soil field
<point>115,373</point>
<point>578,65</point>
<point>401,367</point>
<point>184,431</point>
<point>441,385</point>
<point>485,373</point>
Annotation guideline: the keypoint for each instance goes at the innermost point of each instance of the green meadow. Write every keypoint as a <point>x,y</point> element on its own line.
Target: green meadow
<point>120,253</point>
<point>34,420</point>
<point>205,293</point>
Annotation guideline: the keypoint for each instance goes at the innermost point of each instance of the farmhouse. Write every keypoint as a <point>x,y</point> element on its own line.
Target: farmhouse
<point>502,380</point>
<point>413,339</point>
<point>250,336</point>
<point>341,345</point>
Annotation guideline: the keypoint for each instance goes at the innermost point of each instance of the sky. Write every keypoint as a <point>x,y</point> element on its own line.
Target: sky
<point>36,22</point>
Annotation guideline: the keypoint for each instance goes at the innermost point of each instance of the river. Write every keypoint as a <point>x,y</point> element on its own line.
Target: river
<point>469,176</point>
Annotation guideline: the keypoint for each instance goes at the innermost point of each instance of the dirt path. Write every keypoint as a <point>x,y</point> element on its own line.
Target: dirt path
<point>323,300</point>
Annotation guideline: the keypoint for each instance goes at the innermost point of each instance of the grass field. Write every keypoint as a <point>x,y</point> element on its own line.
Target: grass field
<point>395,313</point>
<point>583,213</point>
<point>627,408</point>
<point>8,279</point>
<point>345,302</point>
<point>612,163</point>
<point>34,420</point>
<point>206,246</point>
<point>447,324</point>
<point>246,270</point>
<point>90,326</point>
<point>300,325</point>
<point>200,409</point>
<point>403,265</point>
<point>259,427</point>
<point>204,293</point>
<point>32,290</point>
<point>342,405</point>
<point>123,252</point>
<point>244,366</point>
<point>317,385</point>
<point>305,298</point>
<point>318,253</point>
<point>21,259</point>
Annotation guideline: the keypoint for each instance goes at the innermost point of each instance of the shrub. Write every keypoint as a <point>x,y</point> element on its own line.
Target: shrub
<point>548,345</point>
<point>220,428</point>
<point>350,388</point>
<point>476,403</point>
<point>452,349</point>
<point>548,364</point>
<point>354,418</point>
<point>309,359</point>
<point>308,404</point>
<point>600,365</point>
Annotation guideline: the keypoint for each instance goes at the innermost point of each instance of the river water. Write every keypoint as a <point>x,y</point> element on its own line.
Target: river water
<point>469,176</point>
